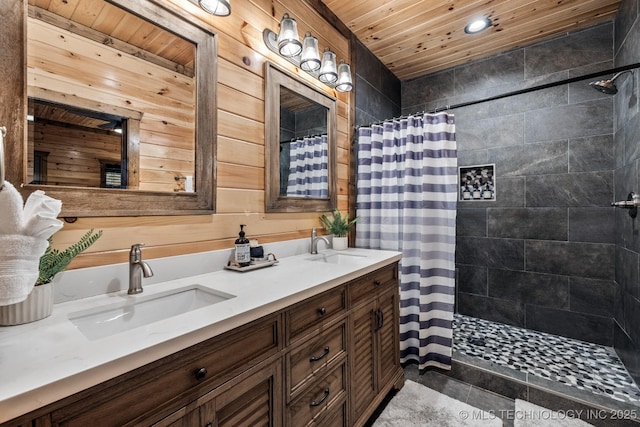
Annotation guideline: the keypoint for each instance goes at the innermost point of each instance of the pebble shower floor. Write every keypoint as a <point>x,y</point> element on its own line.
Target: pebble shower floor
<point>580,364</point>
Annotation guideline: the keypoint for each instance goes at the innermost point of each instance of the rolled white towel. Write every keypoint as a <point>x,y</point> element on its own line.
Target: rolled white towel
<point>40,215</point>
<point>19,262</point>
<point>10,210</point>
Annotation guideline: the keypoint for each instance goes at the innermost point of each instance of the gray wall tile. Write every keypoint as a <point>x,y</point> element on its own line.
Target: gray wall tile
<point>471,222</point>
<point>594,153</point>
<point>531,159</point>
<point>592,296</point>
<point>595,225</point>
<point>498,131</point>
<point>504,69</point>
<point>581,48</point>
<point>570,190</point>
<point>493,309</point>
<point>493,253</point>
<point>581,326</point>
<point>472,279</point>
<point>627,271</point>
<point>591,260</point>
<point>530,288</point>
<point>528,223</point>
<point>570,121</point>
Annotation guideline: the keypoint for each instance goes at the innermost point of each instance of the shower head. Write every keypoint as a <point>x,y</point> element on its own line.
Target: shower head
<point>608,86</point>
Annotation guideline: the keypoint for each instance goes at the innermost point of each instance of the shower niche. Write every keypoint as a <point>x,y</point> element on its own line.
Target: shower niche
<point>477,183</point>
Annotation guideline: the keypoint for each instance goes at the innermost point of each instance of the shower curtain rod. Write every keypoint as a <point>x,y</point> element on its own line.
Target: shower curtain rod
<point>519,92</point>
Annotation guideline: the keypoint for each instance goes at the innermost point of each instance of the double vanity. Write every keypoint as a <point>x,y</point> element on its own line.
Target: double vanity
<point>312,340</point>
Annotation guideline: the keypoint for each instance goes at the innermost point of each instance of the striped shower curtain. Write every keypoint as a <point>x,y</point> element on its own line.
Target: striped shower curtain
<point>308,171</point>
<point>406,200</point>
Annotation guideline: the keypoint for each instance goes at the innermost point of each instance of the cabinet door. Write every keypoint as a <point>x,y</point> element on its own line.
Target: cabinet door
<point>255,401</point>
<point>363,382</point>
<point>388,336</point>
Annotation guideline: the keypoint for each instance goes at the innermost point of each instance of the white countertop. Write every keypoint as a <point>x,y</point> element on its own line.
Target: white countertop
<point>50,359</point>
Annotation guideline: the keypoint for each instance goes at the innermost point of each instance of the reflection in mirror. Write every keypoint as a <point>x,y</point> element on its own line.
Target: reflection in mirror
<point>300,148</point>
<point>73,146</point>
<point>95,65</point>
<point>304,147</point>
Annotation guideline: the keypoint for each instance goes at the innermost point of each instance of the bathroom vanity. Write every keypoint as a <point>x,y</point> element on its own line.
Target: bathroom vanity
<point>323,350</point>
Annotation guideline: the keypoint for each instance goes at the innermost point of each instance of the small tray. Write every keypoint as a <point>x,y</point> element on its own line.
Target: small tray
<point>253,266</point>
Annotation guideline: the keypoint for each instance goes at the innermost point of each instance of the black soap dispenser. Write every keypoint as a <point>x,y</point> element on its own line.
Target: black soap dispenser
<point>243,254</point>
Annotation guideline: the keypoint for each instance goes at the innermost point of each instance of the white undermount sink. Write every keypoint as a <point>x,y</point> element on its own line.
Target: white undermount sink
<point>111,319</point>
<point>336,257</point>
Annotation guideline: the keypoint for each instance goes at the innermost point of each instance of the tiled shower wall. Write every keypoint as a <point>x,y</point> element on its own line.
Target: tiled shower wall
<point>542,255</point>
<point>377,89</point>
<point>627,163</point>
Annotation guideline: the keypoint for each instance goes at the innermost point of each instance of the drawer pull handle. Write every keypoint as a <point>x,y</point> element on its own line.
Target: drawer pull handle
<point>322,311</point>
<point>201,374</point>
<point>377,282</point>
<point>322,356</point>
<point>319,402</point>
<point>209,424</point>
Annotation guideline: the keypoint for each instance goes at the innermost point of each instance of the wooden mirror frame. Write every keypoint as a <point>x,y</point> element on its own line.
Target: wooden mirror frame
<point>88,202</point>
<point>275,78</point>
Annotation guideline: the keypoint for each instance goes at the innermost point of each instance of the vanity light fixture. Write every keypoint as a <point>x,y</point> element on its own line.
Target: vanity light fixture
<point>306,55</point>
<point>477,25</point>
<point>216,7</point>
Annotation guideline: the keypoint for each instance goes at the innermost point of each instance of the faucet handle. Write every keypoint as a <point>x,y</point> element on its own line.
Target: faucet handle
<point>135,252</point>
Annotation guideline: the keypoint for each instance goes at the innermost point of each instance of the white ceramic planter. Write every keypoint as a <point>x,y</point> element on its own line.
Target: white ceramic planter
<point>38,305</point>
<point>339,243</point>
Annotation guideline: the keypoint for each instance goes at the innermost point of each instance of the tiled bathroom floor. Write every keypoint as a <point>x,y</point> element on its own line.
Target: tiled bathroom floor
<point>578,364</point>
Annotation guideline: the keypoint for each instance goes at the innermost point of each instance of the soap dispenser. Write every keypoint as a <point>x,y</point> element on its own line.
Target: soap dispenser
<point>243,254</point>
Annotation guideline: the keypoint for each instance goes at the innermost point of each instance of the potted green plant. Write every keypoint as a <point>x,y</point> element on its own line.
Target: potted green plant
<point>39,303</point>
<point>339,226</point>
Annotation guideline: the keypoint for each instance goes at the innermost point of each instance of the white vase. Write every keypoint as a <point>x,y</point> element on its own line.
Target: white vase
<point>339,243</point>
<point>38,305</point>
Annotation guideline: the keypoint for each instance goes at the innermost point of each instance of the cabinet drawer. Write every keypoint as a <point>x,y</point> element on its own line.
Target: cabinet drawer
<point>161,386</point>
<point>312,357</point>
<point>319,398</point>
<point>365,287</point>
<point>315,310</point>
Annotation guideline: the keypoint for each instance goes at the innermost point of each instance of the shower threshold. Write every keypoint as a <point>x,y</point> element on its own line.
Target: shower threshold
<point>576,369</point>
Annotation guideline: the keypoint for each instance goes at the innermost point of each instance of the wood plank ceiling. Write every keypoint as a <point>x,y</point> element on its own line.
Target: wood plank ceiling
<point>417,37</point>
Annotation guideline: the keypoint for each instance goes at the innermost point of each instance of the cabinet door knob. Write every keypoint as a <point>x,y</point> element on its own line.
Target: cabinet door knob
<point>377,283</point>
<point>319,402</point>
<point>323,355</point>
<point>209,424</point>
<point>201,374</point>
<point>322,311</point>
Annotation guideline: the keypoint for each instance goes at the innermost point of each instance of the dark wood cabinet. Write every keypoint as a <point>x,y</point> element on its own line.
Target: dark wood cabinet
<point>326,361</point>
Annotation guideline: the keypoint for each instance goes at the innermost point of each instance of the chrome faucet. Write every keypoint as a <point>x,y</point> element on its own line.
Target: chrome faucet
<point>314,240</point>
<point>137,269</point>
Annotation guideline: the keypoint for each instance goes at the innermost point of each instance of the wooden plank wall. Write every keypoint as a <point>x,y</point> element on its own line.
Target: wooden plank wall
<point>240,153</point>
<point>74,156</point>
<point>167,126</point>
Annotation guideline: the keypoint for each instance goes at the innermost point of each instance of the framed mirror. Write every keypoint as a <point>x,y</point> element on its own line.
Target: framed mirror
<point>300,145</point>
<point>121,108</point>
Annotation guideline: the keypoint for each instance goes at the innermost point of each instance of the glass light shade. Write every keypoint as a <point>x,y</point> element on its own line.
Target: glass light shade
<point>345,84</point>
<point>328,69</point>
<point>288,42</point>
<point>310,59</point>
<point>216,7</point>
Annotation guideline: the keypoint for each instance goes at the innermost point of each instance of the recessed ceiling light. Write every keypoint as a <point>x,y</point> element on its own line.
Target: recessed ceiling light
<point>477,25</point>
